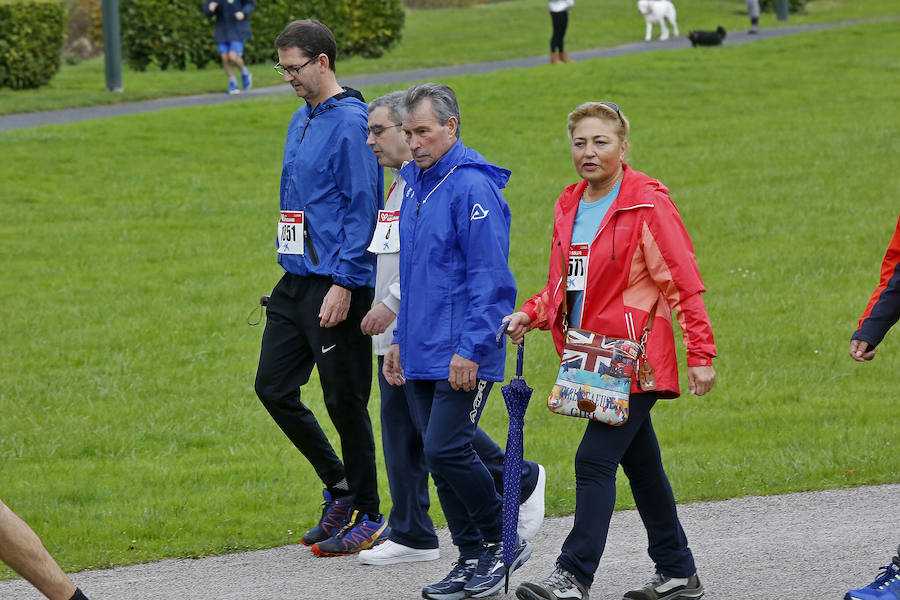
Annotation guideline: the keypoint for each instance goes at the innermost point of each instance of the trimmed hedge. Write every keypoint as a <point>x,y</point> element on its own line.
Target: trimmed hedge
<point>794,6</point>
<point>175,33</point>
<point>31,39</point>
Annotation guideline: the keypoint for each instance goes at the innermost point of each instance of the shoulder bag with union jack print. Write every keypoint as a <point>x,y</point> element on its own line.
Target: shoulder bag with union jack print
<point>595,373</point>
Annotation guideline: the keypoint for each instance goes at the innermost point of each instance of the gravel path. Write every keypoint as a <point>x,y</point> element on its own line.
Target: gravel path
<point>806,546</point>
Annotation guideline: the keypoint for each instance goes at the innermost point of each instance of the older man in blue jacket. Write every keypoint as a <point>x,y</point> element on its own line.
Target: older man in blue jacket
<point>456,284</point>
<point>331,190</point>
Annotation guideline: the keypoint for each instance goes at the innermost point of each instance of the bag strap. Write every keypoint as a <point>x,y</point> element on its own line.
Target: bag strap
<point>565,303</point>
<point>648,326</point>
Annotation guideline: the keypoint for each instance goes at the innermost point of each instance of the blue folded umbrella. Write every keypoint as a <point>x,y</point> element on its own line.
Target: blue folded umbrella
<point>516,394</point>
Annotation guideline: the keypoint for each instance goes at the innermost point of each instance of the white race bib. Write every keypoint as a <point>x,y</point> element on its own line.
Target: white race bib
<point>290,232</point>
<point>578,264</point>
<point>387,235</point>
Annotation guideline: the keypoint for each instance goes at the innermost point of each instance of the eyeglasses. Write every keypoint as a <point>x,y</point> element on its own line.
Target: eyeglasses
<point>377,130</point>
<point>293,71</point>
<point>615,107</point>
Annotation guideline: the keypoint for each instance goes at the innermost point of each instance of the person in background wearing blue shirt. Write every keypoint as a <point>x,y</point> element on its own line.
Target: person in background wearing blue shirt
<point>231,31</point>
<point>331,191</point>
<point>456,284</point>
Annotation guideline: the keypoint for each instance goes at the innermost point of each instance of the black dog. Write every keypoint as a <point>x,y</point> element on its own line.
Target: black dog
<point>707,38</point>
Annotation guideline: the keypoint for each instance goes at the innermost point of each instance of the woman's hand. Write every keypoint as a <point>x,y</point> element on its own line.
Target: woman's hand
<point>518,326</point>
<point>701,379</point>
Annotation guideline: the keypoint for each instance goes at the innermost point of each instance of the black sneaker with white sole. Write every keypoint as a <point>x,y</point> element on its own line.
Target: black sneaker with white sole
<point>559,585</point>
<point>668,588</point>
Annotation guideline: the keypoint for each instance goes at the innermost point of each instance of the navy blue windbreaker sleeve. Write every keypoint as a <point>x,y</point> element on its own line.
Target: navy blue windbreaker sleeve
<point>883,310</point>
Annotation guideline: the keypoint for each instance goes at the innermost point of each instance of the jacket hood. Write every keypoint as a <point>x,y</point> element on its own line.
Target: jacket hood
<point>459,156</point>
<point>349,92</point>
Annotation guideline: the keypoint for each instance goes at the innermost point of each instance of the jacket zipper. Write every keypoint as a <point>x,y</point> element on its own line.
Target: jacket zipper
<point>307,239</point>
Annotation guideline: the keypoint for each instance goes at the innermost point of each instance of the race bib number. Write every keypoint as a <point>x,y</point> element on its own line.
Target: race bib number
<point>290,232</point>
<point>387,235</point>
<point>578,263</point>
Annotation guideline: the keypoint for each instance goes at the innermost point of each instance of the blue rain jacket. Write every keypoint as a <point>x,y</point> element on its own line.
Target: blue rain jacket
<point>455,281</point>
<point>331,175</point>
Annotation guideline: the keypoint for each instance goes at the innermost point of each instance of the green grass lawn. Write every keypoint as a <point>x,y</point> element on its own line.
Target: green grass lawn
<point>134,247</point>
<point>434,38</point>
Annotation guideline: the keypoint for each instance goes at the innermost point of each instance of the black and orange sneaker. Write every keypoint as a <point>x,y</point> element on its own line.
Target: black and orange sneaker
<point>335,512</point>
<point>359,533</point>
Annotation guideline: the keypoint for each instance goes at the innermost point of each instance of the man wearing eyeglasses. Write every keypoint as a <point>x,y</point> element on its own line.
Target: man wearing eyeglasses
<point>331,190</point>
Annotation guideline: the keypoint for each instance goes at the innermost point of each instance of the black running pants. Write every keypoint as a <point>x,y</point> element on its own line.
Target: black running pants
<point>292,343</point>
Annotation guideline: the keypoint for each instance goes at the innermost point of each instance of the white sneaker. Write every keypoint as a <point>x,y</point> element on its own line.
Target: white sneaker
<point>390,553</point>
<point>531,512</point>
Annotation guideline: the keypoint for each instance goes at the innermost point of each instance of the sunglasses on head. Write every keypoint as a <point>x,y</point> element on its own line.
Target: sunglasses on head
<point>614,107</point>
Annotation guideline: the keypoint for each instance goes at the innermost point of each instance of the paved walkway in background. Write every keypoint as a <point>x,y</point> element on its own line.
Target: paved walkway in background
<point>807,546</point>
<point>21,121</point>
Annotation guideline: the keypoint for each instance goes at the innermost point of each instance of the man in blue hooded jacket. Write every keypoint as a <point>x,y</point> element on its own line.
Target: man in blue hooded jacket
<point>456,282</point>
<point>331,191</point>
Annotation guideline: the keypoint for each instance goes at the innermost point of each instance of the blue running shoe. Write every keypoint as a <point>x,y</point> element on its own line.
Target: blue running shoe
<point>335,513</point>
<point>490,573</point>
<point>885,587</point>
<point>246,80</point>
<point>359,533</point>
<point>232,88</point>
<point>452,587</point>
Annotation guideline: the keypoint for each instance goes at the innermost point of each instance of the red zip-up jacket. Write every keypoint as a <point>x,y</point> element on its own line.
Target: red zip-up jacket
<point>641,256</point>
<point>883,309</point>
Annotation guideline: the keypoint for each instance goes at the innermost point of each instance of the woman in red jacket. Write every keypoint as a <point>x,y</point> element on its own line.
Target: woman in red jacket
<point>627,251</point>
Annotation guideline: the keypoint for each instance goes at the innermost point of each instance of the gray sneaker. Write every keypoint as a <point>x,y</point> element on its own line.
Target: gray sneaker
<point>668,588</point>
<point>559,585</point>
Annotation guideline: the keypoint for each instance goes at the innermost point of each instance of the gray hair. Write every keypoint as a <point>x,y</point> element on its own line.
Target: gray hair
<point>393,102</point>
<point>443,102</point>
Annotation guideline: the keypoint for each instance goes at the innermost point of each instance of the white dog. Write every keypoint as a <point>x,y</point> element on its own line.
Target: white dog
<point>657,12</point>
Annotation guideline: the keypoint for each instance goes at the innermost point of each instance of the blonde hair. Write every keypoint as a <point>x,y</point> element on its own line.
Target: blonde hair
<point>603,111</point>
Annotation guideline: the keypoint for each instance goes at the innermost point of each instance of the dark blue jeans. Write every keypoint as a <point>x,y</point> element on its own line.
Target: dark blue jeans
<point>447,421</point>
<point>407,473</point>
<point>602,450</point>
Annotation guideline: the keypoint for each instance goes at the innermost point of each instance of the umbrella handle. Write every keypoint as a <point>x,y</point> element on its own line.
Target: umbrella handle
<point>520,355</point>
<point>499,337</point>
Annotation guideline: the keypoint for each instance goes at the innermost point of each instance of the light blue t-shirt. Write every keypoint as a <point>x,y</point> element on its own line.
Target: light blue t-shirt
<point>587,222</point>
